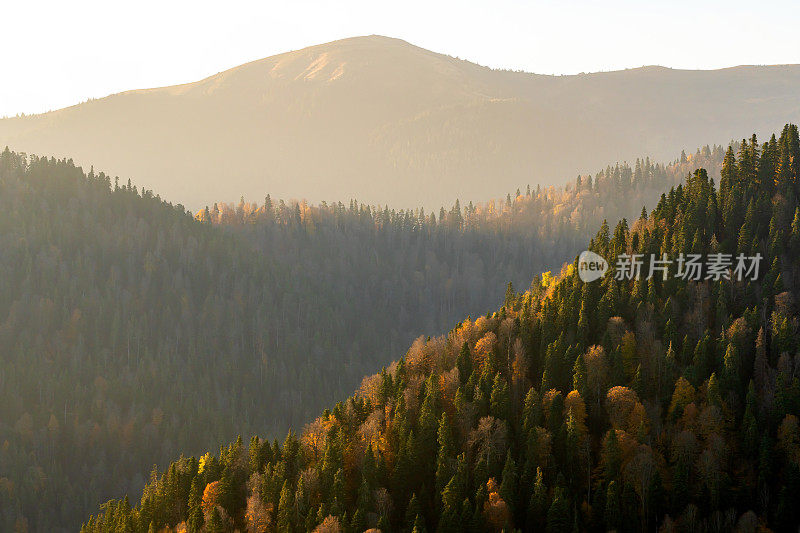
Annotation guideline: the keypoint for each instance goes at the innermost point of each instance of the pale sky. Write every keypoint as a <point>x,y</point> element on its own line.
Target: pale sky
<point>57,53</point>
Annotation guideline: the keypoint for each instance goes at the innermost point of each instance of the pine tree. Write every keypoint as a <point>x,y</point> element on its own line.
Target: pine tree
<point>500,401</point>
<point>508,485</point>
<point>285,520</point>
<point>559,519</point>
<point>215,524</point>
<point>445,459</point>
<point>413,510</point>
<point>538,504</point>
<point>750,432</point>
<point>464,363</point>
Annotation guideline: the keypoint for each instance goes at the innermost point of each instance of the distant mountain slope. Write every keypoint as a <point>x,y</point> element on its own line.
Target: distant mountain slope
<point>391,123</point>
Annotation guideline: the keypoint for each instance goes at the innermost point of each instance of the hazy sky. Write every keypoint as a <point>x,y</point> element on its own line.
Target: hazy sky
<point>57,53</point>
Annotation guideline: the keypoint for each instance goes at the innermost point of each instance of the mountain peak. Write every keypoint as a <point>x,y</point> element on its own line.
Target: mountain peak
<point>380,119</point>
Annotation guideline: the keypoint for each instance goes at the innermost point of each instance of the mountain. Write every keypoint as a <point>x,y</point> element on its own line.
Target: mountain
<point>381,120</point>
<point>132,331</point>
<point>630,403</point>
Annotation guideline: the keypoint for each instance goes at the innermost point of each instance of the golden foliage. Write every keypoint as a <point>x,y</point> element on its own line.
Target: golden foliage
<point>597,370</point>
<point>313,438</point>
<point>575,405</point>
<point>329,525</point>
<point>544,446</point>
<point>682,396</point>
<point>482,325</point>
<point>624,409</point>
<point>370,388</point>
<point>465,332</point>
<point>629,358</point>
<point>519,371</point>
<point>738,330</point>
<point>418,357</point>
<point>411,394</point>
<point>371,431</point>
<point>627,444</point>
<point>204,459</point>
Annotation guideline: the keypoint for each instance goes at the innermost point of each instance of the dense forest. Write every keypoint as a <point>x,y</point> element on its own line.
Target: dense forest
<point>629,403</point>
<point>131,330</point>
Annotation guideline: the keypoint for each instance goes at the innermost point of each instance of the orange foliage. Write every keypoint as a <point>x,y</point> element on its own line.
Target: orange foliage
<point>627,444</point>
<point>495,510</point>
<point>547,400</point>
<point>682,396</point>
<point>616,329</point>
<point>211,496</point>
<point>574,403</point>
<point>448,386</point>
<point>519,369</point>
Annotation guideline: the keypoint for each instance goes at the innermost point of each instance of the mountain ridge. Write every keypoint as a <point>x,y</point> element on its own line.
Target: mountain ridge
<point>391,123</point>
<point>402,42</point>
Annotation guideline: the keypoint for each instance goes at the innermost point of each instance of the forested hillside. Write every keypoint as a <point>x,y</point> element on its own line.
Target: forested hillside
<point>433,266</point>
<point>131,331</point>
<point>624,404</point>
